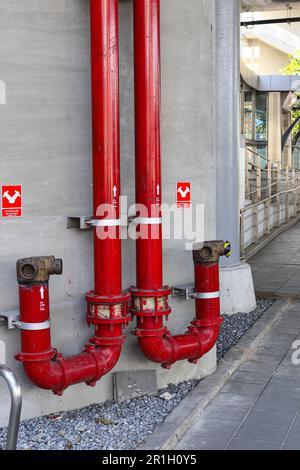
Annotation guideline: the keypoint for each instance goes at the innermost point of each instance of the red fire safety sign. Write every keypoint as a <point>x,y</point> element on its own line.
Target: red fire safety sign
<point>184,195</point>
<point>11,201</point>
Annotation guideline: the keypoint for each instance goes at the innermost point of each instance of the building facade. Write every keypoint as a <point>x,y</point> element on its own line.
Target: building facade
<point>45,147</point>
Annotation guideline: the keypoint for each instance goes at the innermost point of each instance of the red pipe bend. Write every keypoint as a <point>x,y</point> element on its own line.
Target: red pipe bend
<point>59,373</point>
<point>47,368</point>
<point>156,342</point>
<point>167,349</point>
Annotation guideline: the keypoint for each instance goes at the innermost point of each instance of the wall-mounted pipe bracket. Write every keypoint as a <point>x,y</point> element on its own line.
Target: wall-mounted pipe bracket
<point>144,220</point>
<point>87,222</point>
<point>186,291</point>
<point>31,326</point>
<point>10,318</point>
<point>79,222</point>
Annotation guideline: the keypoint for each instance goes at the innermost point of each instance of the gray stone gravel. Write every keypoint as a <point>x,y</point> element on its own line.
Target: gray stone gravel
<point>112,426</point>
<point>235,326</point>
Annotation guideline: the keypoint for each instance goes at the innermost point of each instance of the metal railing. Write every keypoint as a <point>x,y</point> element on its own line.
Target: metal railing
<point>15,409</point>
<point>272,198</point>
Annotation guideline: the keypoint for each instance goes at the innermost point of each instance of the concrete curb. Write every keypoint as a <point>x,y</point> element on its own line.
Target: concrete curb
<point>166,436</point>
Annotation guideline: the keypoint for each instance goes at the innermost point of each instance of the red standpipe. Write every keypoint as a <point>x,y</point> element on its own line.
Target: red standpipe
<point>107,305</point>
<point>150,297</point>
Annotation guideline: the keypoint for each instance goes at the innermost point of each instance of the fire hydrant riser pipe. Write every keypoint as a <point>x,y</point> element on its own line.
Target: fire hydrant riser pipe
<point>106,140</point>
<point>147,136</point>
<point>107,305</point>
<point>154,339</point>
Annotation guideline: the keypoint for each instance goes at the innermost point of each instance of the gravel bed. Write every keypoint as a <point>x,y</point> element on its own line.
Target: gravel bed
<point>235,326</point>
<point>112,426</point>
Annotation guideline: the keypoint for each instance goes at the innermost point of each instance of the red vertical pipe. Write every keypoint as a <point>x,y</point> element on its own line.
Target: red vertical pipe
<point>147,131</point>
<point>207,280</point>
<point>107,305</point>
<point>34,307</point>
<point>106,142</point>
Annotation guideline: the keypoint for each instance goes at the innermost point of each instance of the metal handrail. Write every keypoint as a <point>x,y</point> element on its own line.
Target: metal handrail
<point>15,409</point>
<point>288,191</point>
<point>269,160</point>
<point>258,155</point>
<point>270,186</point>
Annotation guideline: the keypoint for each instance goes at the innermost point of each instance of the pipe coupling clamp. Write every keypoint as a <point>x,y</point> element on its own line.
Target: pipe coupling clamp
<point>103,310</point>
<point>150,303</point>
<point>32,326</point>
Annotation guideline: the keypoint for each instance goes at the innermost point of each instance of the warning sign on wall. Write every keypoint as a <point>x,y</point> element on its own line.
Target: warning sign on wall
<point>11,201</point>
<point>184,195</point>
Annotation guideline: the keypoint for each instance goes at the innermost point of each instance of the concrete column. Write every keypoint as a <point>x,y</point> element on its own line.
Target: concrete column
<point>227,123</point>
<point>274,125</point>
<point>237,291</point>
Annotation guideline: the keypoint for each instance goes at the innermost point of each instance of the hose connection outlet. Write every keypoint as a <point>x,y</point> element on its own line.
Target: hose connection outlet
<point>38,269</point>
<point>211,252</point>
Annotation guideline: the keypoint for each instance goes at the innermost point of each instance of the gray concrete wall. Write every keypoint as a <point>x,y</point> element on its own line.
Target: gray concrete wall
<point>45,145</point>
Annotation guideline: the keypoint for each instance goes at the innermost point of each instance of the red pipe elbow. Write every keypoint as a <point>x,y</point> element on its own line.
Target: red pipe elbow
<point>208,338</point>
<point>150,308</point>
<point>58,373</point>
<point>167,349</point>
<point>47,368</point>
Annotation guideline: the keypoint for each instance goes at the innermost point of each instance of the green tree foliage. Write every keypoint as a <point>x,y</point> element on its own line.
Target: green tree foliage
<point>293,68</point>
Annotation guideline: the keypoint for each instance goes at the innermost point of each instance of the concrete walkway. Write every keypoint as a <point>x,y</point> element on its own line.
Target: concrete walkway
<point>259,408</point>
<point>276,269</point>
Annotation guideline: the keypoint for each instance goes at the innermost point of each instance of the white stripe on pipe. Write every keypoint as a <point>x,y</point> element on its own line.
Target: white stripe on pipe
<point>206,295</point>
<point>147,221</point>
<point>32,326</point>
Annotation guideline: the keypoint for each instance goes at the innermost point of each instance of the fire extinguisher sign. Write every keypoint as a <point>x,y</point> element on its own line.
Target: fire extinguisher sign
<point>184,195</point>
<point>11,201</point>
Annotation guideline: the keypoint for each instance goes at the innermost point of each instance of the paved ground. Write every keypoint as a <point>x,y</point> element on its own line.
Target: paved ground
<point>276,269</point>
<point>259,408</point>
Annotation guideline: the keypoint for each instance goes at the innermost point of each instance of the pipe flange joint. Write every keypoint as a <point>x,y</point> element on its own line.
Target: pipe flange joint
<point>38,269</point>
<point>159,333</point>
<point>210,252</point>
<point>175,351</point>
<point>154,303</point>
<point>108,310</point>
<point>207,323</point>
<point>36,357</point>
<point>98,341</point>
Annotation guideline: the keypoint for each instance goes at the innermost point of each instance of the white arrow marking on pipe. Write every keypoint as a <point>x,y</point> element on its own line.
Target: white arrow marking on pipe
<point>42,290</point>
<point>158,190</point>
<point>115,190</point>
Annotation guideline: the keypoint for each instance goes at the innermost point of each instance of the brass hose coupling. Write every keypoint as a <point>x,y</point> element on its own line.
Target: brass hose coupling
<point>38,269</point>
<point>210,252</point>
